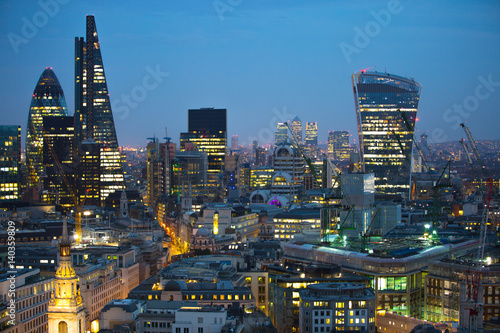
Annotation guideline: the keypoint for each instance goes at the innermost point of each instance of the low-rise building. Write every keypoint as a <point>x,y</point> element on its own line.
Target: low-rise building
<point>288,224</point>
<point>120,312</point>
<point>31,296</point>
<point>199,319</point>
<point>337,306</point>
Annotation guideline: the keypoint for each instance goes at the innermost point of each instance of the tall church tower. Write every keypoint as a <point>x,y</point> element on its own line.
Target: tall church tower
<point>66,313</point>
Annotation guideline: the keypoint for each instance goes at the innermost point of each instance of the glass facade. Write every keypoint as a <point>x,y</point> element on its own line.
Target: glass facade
<point>59,138</point>
<point>93,115</point>
<point>48,100</point>
<point>386,110</point>
<point>338,145</point>
<point>281,134</point>
<point>312,134</point>
<point>311,142</point>
<point>10,158</point>
<point>296,126</point>
<point>214,144</point>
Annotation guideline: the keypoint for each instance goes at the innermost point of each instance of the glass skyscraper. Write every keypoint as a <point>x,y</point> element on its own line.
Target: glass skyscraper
<point>48,100</point>
<point>93,116</point>
<point>207,130</point>
<point>281,134</point>
<point>386,110</point>
<point>10,160</point>
<point>296,126</point>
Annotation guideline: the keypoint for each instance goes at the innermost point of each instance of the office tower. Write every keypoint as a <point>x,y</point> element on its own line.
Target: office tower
<point>58,140</point>
<point>89,172</point>
<point>244,176</point>
<point>338,145</point>
<point>386,109</point>
<point>311,134</point>
<point>289,172</point>
<point>296,126</point>
<point>260,156</point>
<point>159,171</point>
<point>232,173</point>
<point>48,100</point>
<point>10,160</point>
<point>93,115</point>
<point>234,142</point>
<point>311,141</point>
<point>281,134</point>
<point>260,177</point>
<point>189,172</point>
<point>207,130</point>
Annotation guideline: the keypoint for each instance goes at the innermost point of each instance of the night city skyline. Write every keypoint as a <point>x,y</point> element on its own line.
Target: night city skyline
<point>271,61</point>
<point>249,166</point>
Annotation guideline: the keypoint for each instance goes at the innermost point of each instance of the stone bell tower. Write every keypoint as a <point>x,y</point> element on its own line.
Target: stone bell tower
<point>66,313</point>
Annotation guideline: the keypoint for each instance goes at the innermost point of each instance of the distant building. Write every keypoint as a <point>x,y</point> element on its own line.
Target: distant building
<point>281,133</point>
<point>10,162</point>
<point>338,145</point>
<point>234,142</point>
<point>311,142</point>
<point>289,172</point>
<point>296,126</point>
<point>386,111</point>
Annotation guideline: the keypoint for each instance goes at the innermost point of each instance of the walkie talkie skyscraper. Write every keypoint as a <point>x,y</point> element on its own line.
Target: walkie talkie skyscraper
<point>386,111</point>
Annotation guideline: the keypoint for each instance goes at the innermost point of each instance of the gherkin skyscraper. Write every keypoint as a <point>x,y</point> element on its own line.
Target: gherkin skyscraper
<point>48,100</point>
<point>94,122</point>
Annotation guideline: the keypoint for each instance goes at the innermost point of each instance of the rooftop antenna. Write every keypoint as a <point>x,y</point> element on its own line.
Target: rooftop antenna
<point>364,70</point>
<point>166,136</point>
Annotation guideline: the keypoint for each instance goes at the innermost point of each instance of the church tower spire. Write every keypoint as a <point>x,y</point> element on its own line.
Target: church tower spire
<point>66,312</point>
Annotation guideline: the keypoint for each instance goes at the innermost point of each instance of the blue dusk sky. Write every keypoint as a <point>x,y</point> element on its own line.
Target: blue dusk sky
<point>265,61</point>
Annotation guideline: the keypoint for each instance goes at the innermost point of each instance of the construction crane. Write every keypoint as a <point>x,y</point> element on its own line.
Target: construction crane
<point>304,156</point>
<point>485,190</point>
<point>469,159</point>
<point>436,185</point>
<point>366,235</point>
<point>76,201</point>
<point>473,145</point>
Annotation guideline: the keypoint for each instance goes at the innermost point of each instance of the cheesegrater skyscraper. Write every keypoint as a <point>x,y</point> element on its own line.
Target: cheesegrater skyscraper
<point>93,115</point>
<point>386,111</point>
